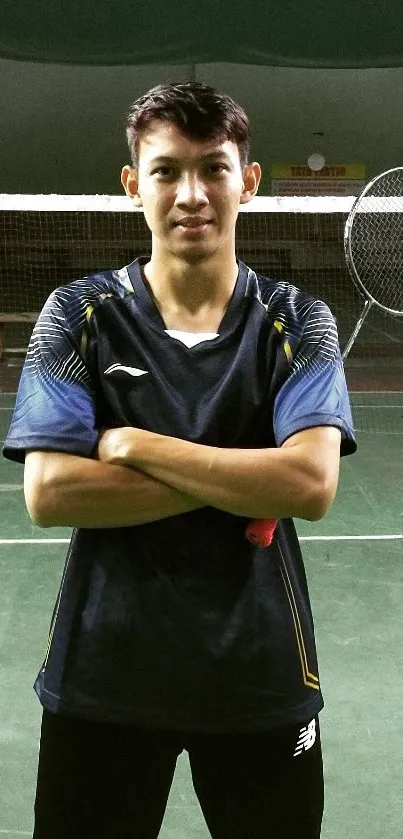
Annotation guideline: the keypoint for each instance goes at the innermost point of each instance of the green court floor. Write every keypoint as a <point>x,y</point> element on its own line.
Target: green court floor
<point>356,588</point>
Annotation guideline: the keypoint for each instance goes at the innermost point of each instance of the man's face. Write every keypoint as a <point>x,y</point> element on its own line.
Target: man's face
<point>190,190</point>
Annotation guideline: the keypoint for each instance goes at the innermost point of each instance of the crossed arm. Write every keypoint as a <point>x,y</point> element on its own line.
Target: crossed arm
<point>141,476</point>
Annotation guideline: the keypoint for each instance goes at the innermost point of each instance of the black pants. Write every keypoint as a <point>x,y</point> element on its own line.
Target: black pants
<point>101,781</point>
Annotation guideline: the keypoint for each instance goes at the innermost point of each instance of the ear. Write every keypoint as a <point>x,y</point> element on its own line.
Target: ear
<point>252,174</point>
<point>130,184</point>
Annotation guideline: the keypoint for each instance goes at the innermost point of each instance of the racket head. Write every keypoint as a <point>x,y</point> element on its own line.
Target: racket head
<point>373,242</point>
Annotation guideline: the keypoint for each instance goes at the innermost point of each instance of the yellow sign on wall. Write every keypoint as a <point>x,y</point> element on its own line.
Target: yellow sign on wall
<point>333,179</point>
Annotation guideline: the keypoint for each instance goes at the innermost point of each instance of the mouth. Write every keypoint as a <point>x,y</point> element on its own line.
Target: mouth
<point>192,224</point>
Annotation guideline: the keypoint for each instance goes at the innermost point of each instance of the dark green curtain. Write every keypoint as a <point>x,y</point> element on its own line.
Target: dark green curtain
<point>326,33</point>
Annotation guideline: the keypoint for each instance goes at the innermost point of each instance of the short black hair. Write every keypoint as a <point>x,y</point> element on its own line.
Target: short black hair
<point>198,110</point>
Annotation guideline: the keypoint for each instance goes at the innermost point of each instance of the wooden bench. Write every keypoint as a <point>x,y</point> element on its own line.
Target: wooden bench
<point>14,317</point>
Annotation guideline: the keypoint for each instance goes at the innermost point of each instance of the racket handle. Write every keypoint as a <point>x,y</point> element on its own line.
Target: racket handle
<point>261,531</point>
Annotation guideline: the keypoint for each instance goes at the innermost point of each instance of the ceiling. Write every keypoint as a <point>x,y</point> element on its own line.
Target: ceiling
<point>293,33</point>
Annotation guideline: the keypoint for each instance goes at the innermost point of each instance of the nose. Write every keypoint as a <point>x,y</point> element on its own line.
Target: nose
<point>191,191</point>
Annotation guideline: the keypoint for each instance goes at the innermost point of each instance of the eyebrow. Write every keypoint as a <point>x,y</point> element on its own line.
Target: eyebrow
<point>164,158</point>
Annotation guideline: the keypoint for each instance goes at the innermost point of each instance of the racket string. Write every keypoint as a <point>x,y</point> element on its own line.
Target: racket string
<point>376,241</point>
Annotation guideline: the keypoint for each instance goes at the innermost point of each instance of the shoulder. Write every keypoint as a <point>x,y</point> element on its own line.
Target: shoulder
<point>72,303</point>
<point>305,325</point>
<point>291,308</point>
<point>284,298</point>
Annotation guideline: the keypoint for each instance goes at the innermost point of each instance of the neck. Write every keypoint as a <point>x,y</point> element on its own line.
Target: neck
<point>192,296</point>
<point>192,284</point>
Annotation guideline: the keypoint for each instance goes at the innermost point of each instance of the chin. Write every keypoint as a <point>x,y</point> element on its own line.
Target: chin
<point>194,255</point>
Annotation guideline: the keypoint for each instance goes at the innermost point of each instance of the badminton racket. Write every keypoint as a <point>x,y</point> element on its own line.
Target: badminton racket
<point>373,247</point>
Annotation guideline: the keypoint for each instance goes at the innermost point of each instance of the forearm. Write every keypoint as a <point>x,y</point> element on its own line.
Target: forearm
<point>67,490</point>
<point>257,483</point>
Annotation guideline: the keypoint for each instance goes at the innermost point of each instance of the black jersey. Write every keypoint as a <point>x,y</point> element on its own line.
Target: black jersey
<point>181,623</point>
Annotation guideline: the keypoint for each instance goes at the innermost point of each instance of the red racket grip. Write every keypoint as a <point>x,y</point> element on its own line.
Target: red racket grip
<point>261,531</point>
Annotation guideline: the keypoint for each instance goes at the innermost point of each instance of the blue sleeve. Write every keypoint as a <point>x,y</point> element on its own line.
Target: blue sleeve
<point>55,408</point>
<point>315,393</point>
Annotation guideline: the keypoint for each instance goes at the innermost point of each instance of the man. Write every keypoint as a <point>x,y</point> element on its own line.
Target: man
<point>161,407</point>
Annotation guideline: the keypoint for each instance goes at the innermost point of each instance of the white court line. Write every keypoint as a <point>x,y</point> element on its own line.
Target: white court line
<point>350,538</point>
<point>383,537</point>
<point>379,331</point>
<point>360,392</point>
<point>11,487</point>
<point>34,541</point>
<point>16,832</point>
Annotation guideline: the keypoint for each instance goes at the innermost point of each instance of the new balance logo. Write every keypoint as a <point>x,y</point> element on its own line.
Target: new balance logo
<point>120,368</point>
<point>306,739</point>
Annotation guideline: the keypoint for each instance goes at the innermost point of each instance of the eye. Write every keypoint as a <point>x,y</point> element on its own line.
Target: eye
<point>164,172</point>
<point>217,168</point>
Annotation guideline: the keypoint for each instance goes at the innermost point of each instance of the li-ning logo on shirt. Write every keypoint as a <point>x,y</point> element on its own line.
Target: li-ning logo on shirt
<point>121,368</point>
<point>306,739</point>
